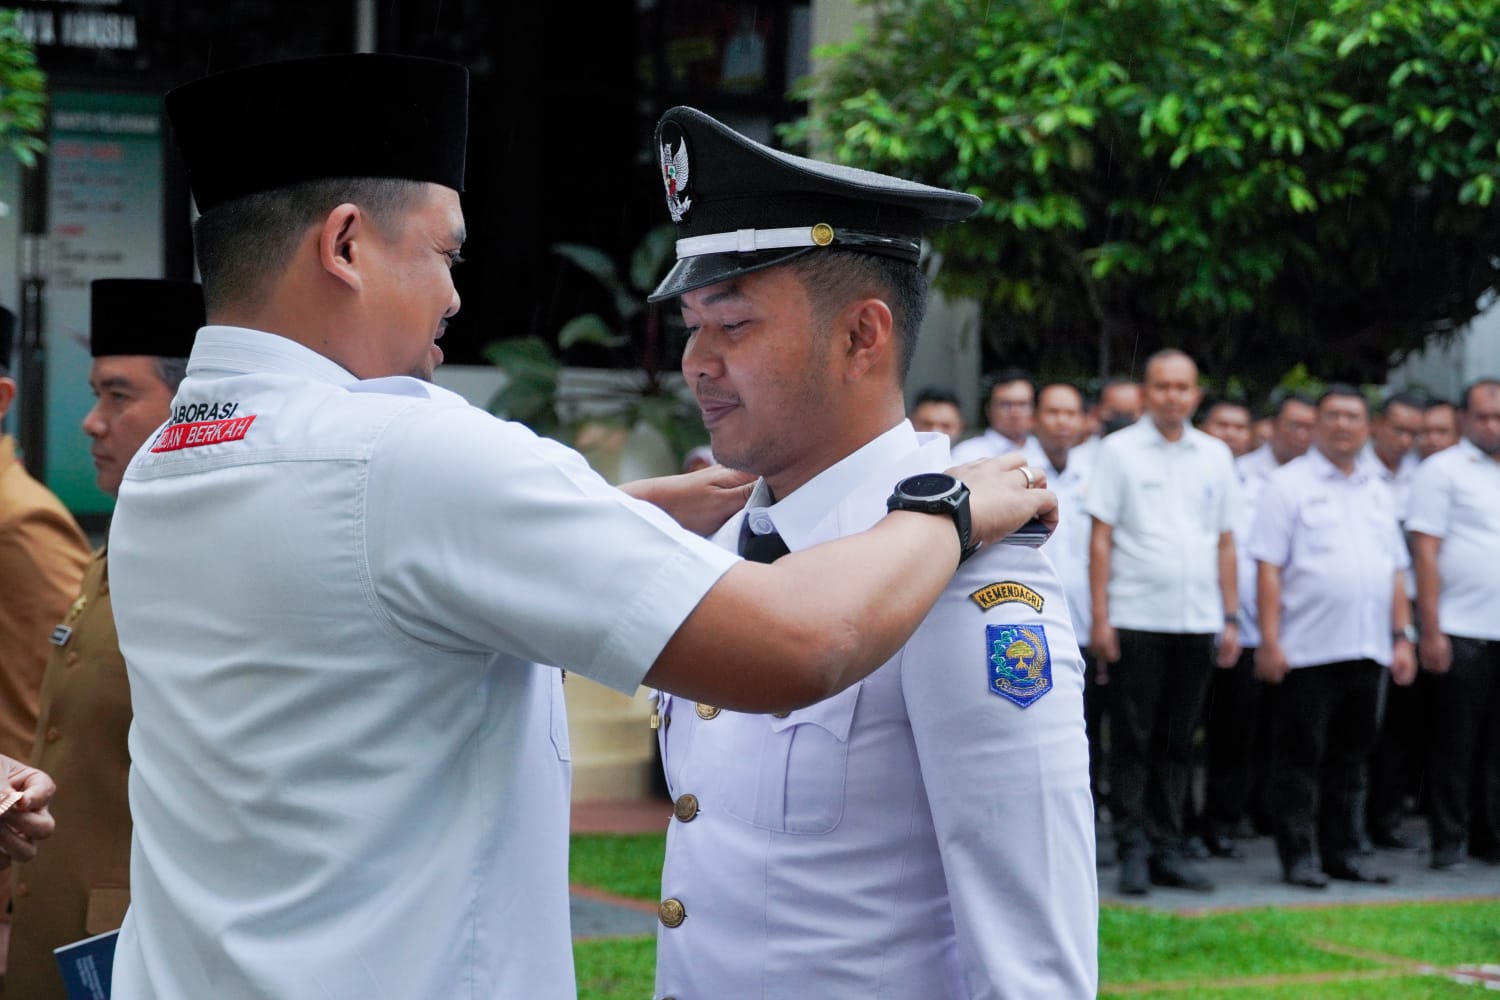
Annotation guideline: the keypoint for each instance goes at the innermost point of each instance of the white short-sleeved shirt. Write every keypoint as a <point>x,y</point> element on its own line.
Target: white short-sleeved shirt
<point>1337,543</point>
<point>1068,548</point>
<point>1456,498</point>
<point>1398,482</point>
<point>1168,502</point>
<point>348,781</point>
<point>1253,469</point>
<point>893,840</point>
<point>991,444</point>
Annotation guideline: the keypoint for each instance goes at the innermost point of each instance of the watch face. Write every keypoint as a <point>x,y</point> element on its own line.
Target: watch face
<point>928,485</point>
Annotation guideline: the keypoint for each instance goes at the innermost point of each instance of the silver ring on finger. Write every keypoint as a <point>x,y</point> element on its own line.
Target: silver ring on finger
<point>1030,477</point>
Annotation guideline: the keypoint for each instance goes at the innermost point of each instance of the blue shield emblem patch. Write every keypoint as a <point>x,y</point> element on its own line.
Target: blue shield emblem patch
<point>1020,664</point>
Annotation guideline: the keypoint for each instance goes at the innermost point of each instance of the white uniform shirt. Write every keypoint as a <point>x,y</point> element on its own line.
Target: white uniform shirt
<point>1337,543</point>
<point>991,444</point>
<point>1456,497</point>
<point>1168,502</point>
<point>1068,548</point>
<point>347,780</point>
<point>1398,482</point>
<point>1253,469</point>
<point>913,836</point>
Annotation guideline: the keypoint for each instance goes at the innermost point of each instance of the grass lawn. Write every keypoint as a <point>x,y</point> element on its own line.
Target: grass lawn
<point>1330,953</point>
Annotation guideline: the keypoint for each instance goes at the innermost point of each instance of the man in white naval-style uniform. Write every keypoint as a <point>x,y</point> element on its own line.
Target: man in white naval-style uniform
<point>330,580</point>
<point>1333,617</point>
<point>928,832</point>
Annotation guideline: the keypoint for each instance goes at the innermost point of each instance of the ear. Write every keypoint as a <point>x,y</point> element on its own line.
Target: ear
<point>868,335</point>
<point>341,244</point>
<point>7,394</point>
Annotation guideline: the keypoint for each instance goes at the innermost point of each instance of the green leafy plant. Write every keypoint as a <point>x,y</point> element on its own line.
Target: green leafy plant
<point>1257,181</point>
<point>23,93</point>
<point>648,394</point>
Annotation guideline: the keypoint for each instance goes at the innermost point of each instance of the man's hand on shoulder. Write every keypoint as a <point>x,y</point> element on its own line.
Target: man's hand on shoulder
<point>699,501</point>
<point>1002,497</point>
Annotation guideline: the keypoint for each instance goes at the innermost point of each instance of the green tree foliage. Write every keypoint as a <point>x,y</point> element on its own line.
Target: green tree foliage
<point>1262,182</point>
<point>23,93</point>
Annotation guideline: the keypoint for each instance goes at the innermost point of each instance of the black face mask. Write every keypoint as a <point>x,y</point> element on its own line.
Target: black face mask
<point>1114,423</point>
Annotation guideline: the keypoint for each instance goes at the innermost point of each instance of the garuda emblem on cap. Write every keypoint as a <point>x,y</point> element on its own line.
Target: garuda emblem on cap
<point>1020,662</point>
<point>674,174</point>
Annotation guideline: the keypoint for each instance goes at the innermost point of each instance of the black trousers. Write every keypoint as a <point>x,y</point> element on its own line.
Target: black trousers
<point>1156,699</point>
<point>1396,762</point>
<point>1232,752</point>
<point>1325,731</point>
<point>1463,760</point>
<point>1095,721</point>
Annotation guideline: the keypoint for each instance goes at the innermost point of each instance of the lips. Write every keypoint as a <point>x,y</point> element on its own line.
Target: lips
<point>715,409</point>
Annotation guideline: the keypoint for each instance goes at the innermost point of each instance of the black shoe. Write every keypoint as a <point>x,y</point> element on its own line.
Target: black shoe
<point>1305,874</point>
<point>1394,840</point>
<point>1448,859</point>
<point>1135,878</point>
<point>1355,869</point>
<point>1176,873</point>
<point>1221,846</point>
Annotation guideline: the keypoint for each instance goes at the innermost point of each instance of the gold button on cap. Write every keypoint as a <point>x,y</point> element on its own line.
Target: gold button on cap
<point>707,711</point>
<point>686,807</point>
<point>670,912</point>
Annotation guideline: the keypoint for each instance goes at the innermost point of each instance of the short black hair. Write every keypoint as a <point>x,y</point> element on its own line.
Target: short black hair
<point>243,243</point>
<point>1400,399</point>
<point>1343,389</point>
<point>1487,382</point>
<point>1434,402</point>
<point>1277,406</point>
<point>835,277</point>
<point>934,394</point>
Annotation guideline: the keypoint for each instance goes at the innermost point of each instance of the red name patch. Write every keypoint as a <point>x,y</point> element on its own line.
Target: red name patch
<point>202,432</point>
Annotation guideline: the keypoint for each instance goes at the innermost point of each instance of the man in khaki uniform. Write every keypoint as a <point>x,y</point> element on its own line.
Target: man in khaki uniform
<point>42,554</point>
<point>141,332</point>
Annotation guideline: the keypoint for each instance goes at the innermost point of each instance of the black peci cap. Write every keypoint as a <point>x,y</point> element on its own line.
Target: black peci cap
<point>741,206</point>
<point>272,126</point>
<point>7,336</point>
<point>155,316</point>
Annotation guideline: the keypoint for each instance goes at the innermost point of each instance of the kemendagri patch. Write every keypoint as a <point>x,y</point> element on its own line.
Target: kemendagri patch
<point>1020,664</point>
<point>1007,592</point>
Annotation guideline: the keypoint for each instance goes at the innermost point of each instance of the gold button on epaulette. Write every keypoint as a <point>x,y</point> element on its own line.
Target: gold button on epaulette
<point>671,913</point>
<point>686,807</point>
<point>780,715</point>
<point>706,712</point>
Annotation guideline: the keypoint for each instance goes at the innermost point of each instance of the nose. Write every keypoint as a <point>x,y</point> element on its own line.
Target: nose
<point>94,424</point>
<point>701,358</point>
<point>453,305</point>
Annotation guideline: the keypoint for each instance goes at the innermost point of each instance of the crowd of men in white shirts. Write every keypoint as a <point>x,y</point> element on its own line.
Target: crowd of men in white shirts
<point>1310,590</point>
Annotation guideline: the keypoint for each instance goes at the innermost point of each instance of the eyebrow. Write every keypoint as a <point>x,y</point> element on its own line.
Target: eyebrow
<point>731,293</point>
<point>113,382</point>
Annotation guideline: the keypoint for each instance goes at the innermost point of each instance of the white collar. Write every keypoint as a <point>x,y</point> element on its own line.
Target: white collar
<point>798,515</point>
<point>238,350</point>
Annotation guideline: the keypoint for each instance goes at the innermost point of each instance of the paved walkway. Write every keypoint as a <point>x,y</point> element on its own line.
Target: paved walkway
<point>1250,882</point>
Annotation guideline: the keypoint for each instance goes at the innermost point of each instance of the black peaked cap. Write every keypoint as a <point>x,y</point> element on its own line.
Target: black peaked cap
<point>285,123</point>
<point>154,316</point>
<point>741,206</point>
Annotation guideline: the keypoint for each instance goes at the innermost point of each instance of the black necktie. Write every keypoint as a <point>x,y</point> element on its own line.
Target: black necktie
<point>761,548</point>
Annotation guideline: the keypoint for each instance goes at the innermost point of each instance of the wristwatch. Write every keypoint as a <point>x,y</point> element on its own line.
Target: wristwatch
<point>937,493</point>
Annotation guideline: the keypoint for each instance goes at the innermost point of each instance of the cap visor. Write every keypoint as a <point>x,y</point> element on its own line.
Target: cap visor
<point>711,268</point>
